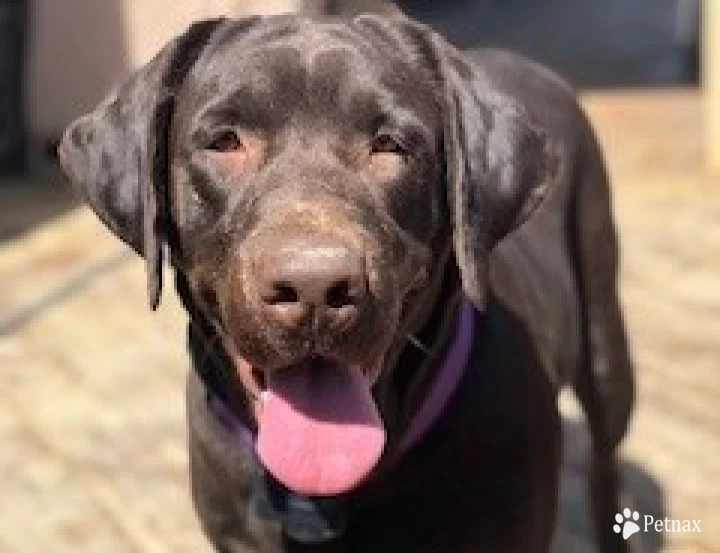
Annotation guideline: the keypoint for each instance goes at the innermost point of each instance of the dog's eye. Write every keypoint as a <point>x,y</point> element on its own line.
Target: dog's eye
<point>235,152</point>
<point>228,141</point>
<point>387,144</point>
<point>387,157</point>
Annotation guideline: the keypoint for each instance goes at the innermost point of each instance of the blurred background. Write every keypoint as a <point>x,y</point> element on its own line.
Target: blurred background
<point>92,436</point>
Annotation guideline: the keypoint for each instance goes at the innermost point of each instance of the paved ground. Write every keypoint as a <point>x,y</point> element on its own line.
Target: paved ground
<point>92,438</point>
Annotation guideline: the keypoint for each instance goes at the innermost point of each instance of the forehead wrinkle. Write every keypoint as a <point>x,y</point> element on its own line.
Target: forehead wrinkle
<point>312,44</point>
<point>320,70</point>
<point>276,69</point>
<point>262,83</point>
<point>336,76</point>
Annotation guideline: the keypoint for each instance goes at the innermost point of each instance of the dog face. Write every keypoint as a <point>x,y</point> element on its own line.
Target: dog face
<point>307,191</point>
<point>307,177</point>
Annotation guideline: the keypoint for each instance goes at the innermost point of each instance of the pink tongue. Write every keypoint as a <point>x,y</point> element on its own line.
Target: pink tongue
<point>320,432</point>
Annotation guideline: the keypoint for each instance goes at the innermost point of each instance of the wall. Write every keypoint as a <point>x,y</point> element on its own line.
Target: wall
<point>79,49</point>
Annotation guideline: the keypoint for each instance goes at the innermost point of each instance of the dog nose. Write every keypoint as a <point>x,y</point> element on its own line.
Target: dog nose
<point>307,280</point>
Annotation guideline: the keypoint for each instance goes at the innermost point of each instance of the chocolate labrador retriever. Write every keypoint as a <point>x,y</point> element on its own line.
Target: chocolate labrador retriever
<point>393,255</point>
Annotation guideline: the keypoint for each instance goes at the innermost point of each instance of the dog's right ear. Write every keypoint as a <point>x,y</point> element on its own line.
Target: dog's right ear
<point>116,156</point>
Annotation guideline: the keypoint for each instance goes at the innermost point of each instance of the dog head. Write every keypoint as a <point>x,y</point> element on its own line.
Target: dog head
<point>308,177</point>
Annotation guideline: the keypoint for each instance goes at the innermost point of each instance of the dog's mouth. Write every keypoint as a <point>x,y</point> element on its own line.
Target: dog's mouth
<point>319,429</point>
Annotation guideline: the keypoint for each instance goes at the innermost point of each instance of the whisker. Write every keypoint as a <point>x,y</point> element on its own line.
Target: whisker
<point>418,344</point>
<point>418,277</point>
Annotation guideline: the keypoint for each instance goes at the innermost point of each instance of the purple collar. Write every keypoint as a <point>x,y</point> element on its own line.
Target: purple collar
<point>446,381</point>
<point>447,378</point>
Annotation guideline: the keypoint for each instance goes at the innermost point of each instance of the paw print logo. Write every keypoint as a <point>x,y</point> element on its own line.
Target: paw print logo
<point>625,523</point>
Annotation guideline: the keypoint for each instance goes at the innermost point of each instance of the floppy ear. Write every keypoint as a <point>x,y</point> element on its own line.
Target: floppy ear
<point>116,156</point>
<point>500,164</point>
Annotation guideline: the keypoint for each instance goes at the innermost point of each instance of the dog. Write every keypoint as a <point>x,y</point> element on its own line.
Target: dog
<point>393,256</point>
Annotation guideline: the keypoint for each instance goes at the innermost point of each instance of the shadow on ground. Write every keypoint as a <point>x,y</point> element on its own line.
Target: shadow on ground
<point>641,493</point>
<point>29,201</point>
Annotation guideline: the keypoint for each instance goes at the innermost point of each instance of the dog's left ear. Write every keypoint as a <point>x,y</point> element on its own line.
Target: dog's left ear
<point>500,164</point>
<point>116,156</point>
